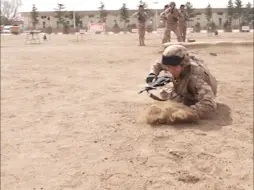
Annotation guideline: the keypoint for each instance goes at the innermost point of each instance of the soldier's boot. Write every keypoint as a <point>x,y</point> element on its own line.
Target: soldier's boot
<point>143,41</point>
<point>140,41</point>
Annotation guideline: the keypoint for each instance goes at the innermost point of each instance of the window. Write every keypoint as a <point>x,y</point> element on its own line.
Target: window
<point>43,17</point>
<point>81,24</point>
<point>57,24</point>
<point>198,14</point>
<point>90,16</point>
<point>43,24</point>
<point>219,13</point>
<point>220,21</point>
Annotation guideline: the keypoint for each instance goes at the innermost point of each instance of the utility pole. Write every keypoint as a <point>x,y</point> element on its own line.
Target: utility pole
<point>74,19</point>
<point>156,14</point>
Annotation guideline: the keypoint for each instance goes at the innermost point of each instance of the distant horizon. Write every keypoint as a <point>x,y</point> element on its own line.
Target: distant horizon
<point>111,9</point>
<point>113,5</point>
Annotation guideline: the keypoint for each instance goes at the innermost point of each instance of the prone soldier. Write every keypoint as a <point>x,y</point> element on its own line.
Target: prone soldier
<point>193,83</point>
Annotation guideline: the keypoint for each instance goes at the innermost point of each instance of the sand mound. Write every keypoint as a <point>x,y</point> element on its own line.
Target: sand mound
<point>208,44</point>
<point>161,113</point>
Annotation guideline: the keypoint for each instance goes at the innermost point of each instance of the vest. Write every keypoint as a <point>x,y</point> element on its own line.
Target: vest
<point>195,68</point>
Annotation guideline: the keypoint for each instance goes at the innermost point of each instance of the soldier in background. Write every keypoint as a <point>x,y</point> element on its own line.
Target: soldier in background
<point>142,17</point>
<point>183,22</point>
<point>173,16</point>
<point>163,18</point>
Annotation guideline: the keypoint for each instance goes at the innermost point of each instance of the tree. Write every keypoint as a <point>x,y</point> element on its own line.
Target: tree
<point>78,18</point>
<point>60,14</point>
<point>34,16</point>
<point>148,11</point>
<point>124,15</point>
<point>189,10</point>
<point>9,9</point>
<point>238,11</point>
<point>208,12</point>
<point>230,12</point>
<point>248,13</point>
<point>103,13</point>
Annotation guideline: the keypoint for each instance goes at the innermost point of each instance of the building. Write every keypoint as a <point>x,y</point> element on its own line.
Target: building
<point>47,19</point>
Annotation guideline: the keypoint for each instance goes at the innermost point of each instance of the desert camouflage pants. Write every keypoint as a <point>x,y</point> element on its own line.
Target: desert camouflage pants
<point>141,30</point>
<point>183,29</point>
<point>167,33</point>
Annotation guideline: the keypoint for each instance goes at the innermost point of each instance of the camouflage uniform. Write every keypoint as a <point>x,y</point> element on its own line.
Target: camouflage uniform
<point>183,24</point>
<point>172,25</point>
<point>163,18</point>
<point>142,17</point>
<point>196,87</point>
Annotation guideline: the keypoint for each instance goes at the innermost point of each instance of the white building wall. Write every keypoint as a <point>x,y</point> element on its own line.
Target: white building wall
<point>93,17</point>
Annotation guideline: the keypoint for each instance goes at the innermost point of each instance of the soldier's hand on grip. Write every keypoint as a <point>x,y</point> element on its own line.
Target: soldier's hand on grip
<point>150,78</point>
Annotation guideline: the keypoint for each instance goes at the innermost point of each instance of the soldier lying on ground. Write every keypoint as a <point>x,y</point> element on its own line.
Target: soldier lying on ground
<point>193,84</point>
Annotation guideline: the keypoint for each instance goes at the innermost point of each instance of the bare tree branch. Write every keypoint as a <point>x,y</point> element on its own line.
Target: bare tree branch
<point>10,8</point>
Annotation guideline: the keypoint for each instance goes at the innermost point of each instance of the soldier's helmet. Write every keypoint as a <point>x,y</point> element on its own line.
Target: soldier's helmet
<point>175,50</point>
<point>178,52</point>
<point>172,4</point>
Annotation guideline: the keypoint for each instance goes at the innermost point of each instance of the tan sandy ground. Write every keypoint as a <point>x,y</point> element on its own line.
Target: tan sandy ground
<point>69,118</point>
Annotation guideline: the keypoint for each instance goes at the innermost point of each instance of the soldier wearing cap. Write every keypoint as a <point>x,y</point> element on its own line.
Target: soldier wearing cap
<point>183,22</point>
<point>172,15</point>
<point>193,83</point>
<point>142,17</point>
<point>163,17</point>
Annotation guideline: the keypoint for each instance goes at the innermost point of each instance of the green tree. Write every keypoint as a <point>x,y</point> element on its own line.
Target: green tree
<point>208,12</point>
<point>124,15</point>
<point>60,15</point>
<point>189,10</point>
<point>230,12</point>
<point>149,12</point>
<point>238,11</point>
<point>34,16</point>
<point>103,13</point>
<point>248,13</point>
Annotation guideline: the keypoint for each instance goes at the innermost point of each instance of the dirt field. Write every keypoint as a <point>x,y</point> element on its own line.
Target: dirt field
<point>69,118</point>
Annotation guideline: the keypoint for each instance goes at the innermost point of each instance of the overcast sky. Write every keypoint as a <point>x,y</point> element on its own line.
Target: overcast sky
<point>49,5</point>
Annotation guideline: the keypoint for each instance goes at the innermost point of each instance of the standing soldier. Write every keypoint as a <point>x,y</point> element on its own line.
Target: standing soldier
<point>142,17</point>
<point>183,22</point>
<point>172,23</point>
<point>163,18</point>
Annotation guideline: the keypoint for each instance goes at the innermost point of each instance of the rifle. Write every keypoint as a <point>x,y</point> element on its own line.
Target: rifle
<point>160,81</point>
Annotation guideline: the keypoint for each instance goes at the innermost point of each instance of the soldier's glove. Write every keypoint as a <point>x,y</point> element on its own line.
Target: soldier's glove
<point>183,116</point>
<point>150,78</point>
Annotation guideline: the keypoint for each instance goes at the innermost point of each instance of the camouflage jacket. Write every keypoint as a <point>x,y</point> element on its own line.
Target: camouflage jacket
<point>172,15</point>
<point>196,86</point>
<point>183,18</point>
<point>141,16</point>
